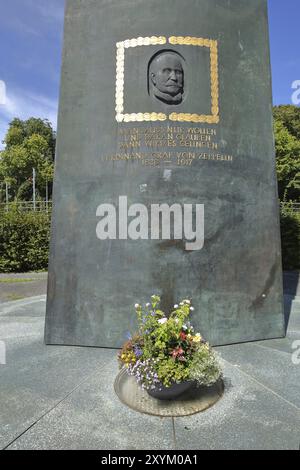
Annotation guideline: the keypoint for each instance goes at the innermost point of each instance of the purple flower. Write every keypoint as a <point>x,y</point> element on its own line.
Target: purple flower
<point>138,352</point>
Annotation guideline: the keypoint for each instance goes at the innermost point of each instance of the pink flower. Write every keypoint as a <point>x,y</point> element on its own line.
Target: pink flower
<point>177,352</point>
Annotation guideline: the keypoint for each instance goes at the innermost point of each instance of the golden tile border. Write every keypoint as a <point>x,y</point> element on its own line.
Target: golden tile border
<point>212,44</point>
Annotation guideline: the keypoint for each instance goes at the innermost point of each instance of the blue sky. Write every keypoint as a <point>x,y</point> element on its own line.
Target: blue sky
<point>30,50</point>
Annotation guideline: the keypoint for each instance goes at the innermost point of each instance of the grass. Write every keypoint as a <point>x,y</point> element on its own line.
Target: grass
<point>15,297</point>
<point>18,280</point>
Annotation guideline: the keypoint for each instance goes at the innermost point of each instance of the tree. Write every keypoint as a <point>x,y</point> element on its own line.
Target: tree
<point>289,116</point>
<point>29,144</point>
<point>287,143</point>
<point>19,131</point>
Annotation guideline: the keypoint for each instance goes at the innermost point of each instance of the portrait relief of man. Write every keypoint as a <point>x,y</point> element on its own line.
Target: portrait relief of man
<point>166,77</point>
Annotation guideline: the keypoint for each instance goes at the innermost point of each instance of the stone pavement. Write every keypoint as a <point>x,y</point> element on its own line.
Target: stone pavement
<point>20,286</point>
<point>54,397</point>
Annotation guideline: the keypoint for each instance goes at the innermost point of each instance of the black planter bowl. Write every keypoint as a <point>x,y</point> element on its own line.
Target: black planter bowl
<point>172,392</point>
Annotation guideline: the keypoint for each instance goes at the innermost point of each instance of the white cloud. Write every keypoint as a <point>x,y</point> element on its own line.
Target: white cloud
<point>3,130</point>
<point>25,104</point>
<point>2,92</point>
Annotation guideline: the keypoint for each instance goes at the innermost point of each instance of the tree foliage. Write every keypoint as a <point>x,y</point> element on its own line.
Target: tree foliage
<point>20,130</point>
<point>290,117</point>
<point>28,144</point>
<point>287,142</point>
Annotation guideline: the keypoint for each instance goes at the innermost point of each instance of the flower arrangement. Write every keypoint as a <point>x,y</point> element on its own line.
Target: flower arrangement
<point>166,350</point>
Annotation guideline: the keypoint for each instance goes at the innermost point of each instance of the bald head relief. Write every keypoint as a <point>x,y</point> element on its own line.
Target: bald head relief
<point>167,78</point>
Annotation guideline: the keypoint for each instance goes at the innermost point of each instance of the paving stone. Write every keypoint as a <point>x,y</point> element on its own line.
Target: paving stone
<point>247,417</point>
<point>37,377</point>
<point>273,368</point>
<point>94,418</point>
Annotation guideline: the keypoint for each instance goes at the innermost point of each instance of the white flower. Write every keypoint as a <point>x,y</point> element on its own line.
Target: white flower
<point>148,305</point>
<point>176,320</point>
<point>176,306</point>
<point>137,306</point>
<point>184,327</point>
<point>192,309</point>
<point>187,301</point>
<point>162,321</point>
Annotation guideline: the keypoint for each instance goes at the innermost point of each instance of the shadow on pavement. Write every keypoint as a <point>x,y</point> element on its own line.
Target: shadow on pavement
<point>291,289</point>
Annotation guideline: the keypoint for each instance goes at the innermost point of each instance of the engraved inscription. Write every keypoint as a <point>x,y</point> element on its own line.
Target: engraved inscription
<point>169,145</point>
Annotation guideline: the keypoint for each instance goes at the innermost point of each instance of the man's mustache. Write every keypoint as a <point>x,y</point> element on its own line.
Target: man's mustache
<point>172,82</point>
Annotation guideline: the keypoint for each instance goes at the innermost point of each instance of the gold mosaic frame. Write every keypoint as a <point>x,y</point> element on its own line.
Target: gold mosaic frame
<point>212,118</point>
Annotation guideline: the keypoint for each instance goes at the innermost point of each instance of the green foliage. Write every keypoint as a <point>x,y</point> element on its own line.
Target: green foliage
<point>290,238</point>
<point>169,374</point>
<point>287,143</point>
<point>24,241</point>
<point>19,131</point>
<point>289,116</point>
<point>159,334</point>
<point>29,144</point>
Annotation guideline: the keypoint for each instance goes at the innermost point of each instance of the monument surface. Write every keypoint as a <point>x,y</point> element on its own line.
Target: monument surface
<point>165,102</point>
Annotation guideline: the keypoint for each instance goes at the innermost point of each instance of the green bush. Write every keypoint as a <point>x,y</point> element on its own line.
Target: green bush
<point>24,241</point>
<point>290,238</point>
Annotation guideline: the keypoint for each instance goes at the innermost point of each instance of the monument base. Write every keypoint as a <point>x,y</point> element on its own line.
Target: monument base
<point>193,401</point>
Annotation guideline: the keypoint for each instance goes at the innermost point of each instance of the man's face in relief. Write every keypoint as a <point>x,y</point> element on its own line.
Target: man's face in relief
<point>167,77</point>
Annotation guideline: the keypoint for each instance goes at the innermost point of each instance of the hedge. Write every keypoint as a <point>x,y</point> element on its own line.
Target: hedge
<point>290,238</point>
<point>24,241</point>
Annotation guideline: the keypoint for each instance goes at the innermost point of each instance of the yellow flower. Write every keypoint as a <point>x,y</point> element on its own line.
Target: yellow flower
<point>197,338</point>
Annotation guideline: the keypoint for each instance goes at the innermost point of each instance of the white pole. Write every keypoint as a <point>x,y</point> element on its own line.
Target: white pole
<point>33,188</point>
<point>47,196</point>
<point>6,194</point>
